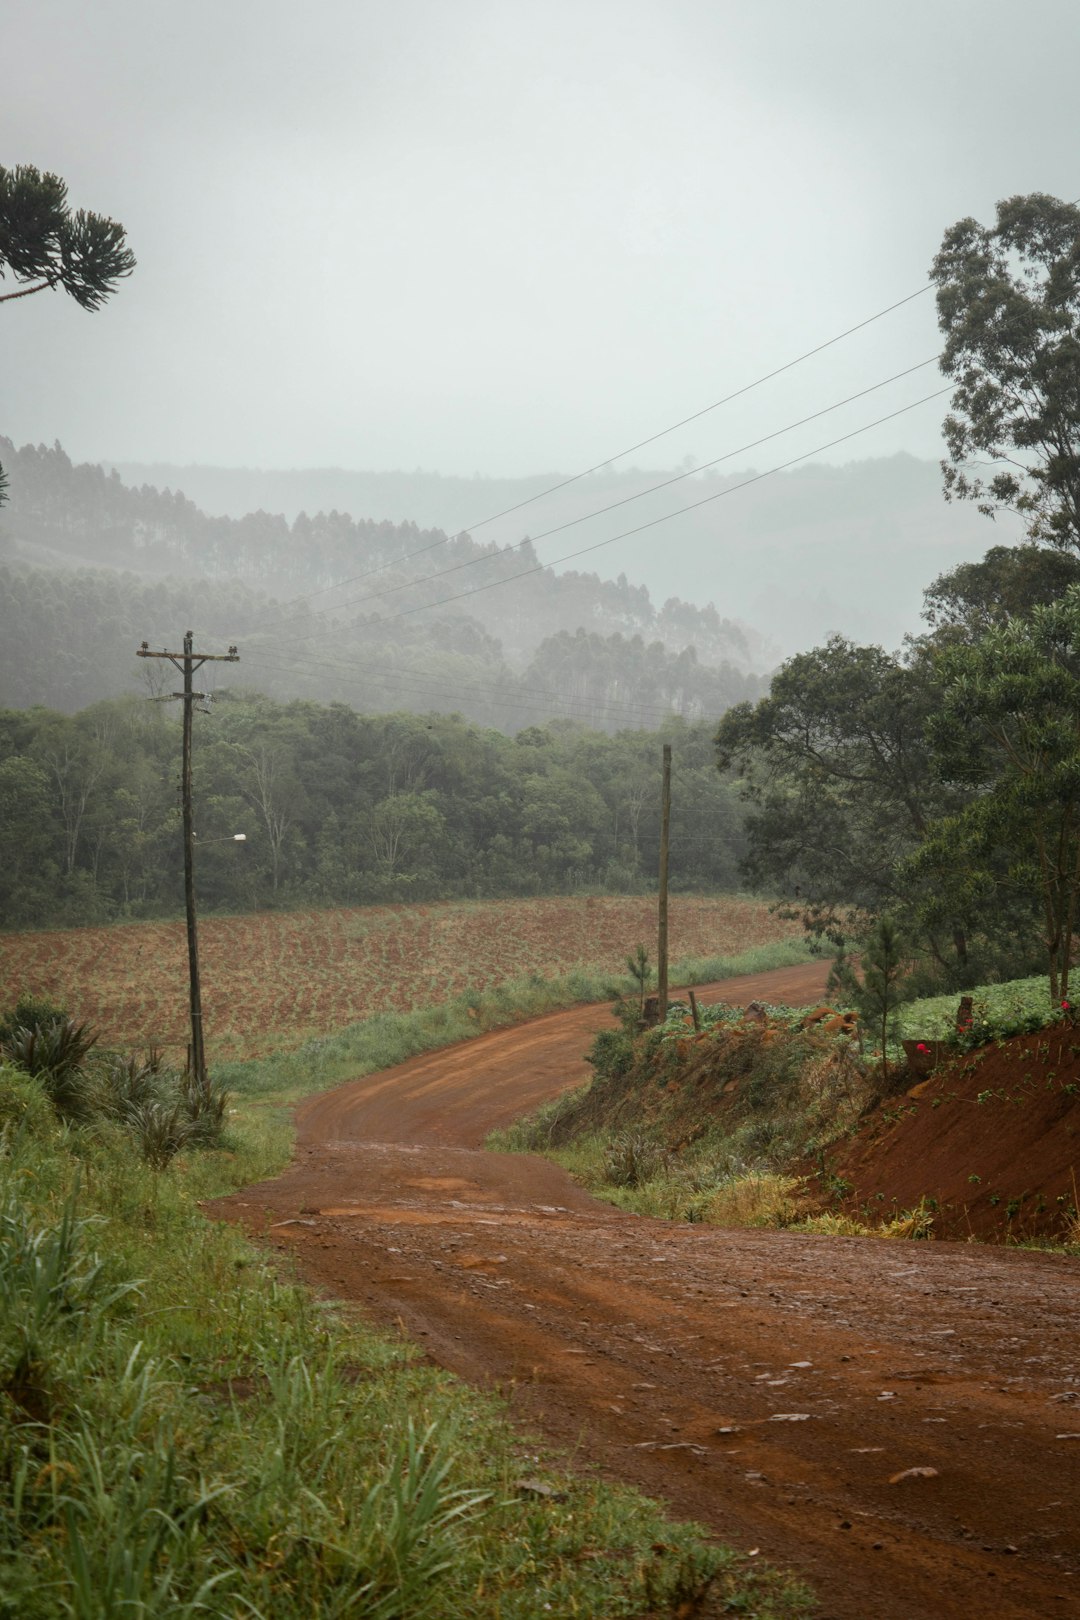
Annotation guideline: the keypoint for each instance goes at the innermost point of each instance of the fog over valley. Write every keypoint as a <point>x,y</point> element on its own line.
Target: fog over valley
<point>795,557</point>
<point>499,245</point>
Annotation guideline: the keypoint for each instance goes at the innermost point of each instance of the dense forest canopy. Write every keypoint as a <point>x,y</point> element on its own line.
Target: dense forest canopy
<point>340,808</point>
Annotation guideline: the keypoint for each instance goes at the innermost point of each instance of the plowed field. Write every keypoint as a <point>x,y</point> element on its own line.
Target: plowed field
<point>273,979</point>
<point>898,1422</point>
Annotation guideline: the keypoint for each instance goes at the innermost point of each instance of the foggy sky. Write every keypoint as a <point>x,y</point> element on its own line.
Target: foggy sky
<point>509,237</point>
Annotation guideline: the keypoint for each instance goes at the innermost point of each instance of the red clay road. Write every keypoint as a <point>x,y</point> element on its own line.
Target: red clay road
<point>898,1423</point>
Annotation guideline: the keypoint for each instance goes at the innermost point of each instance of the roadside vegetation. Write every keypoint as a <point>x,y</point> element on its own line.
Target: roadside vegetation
<point>183,1431</point>
<point>772,1118</point>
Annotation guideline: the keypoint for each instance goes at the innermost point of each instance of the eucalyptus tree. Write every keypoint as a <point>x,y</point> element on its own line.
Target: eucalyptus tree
<point>1009,307</point>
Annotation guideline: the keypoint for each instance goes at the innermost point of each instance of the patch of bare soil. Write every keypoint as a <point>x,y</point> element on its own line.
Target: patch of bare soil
<point>989,1142</point>
<point>897,1422</point>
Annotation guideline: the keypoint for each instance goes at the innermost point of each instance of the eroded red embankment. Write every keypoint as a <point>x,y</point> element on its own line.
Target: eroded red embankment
<point>989,1142</point>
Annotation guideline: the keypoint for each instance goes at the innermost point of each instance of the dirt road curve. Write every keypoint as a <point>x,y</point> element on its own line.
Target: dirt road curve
<point>787,1390</point>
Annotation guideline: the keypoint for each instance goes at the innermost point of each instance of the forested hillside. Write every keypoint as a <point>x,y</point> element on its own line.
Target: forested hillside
<point>811,551</point>
<point>89,568</point>
<point>340,808</point>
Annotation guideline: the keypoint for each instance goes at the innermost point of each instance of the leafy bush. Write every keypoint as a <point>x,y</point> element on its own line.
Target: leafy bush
<point>611,1053</point>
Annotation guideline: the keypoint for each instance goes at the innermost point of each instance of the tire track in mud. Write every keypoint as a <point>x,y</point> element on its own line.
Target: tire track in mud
<point>886,1419</point>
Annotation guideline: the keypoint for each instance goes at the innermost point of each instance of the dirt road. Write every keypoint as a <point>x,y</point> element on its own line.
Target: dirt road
<point>899,1423</point>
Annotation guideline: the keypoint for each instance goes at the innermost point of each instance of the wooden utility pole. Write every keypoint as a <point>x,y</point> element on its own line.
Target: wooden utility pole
<point>661,947</point>
<point>187,663</point>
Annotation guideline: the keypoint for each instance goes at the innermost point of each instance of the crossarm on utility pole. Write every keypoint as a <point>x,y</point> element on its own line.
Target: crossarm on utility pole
<point>187,662</point>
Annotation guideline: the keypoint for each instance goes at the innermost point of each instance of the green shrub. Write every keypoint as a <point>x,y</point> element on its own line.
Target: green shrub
<point>29,1012</point>
<point>24,1108</point>
<point>611,1053</point>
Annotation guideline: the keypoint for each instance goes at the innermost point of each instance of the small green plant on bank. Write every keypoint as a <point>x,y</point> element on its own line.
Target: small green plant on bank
<point>640,971</point>
<point>878,990</point>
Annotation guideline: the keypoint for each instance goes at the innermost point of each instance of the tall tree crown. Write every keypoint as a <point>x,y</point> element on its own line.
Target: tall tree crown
<point>1009,307</point>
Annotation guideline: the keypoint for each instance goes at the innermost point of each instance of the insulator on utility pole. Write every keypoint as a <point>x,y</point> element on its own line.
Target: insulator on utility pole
<point>187,663</point>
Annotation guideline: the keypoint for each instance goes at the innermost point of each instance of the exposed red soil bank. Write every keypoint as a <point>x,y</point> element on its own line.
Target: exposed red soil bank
<point>899,1422</point>
<point>990,1141</point>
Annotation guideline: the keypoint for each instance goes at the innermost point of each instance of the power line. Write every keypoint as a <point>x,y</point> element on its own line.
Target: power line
<point>667,516</point>
<point>652,523</point>
<point>612,506</point>
<point>579,708</point>
<point>575,478</point>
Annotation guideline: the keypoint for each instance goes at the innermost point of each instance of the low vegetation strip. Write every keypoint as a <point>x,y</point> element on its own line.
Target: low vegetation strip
<point>274,980</point>
<point>792,1118</point>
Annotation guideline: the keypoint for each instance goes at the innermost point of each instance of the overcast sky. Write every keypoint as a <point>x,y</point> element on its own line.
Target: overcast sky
<point>503,236</point>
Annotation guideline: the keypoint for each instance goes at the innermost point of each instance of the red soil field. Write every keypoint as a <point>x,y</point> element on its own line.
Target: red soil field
<point>273,979</point>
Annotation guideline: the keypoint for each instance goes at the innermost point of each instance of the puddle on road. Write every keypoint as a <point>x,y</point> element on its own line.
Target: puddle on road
<point>450,1214</point>
<point>440,1184</point>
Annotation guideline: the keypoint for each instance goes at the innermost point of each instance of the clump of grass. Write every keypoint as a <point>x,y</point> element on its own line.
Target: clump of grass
<point>834,1223</point>
<point>633,1158</point>
<point>759,1198</point>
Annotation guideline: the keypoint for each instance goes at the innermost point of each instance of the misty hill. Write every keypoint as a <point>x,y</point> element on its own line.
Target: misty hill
<point>92,567</point>
<point>798,555</point>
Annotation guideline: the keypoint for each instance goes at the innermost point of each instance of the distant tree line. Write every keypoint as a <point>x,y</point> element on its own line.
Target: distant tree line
<point>69,636</point>
<point>61,513</point>
<point>340,808</point>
